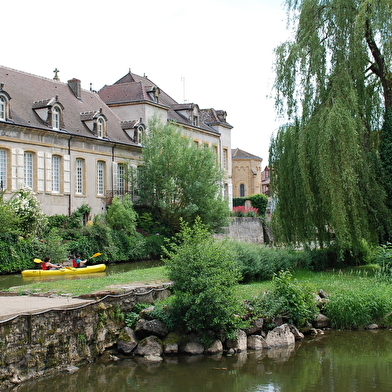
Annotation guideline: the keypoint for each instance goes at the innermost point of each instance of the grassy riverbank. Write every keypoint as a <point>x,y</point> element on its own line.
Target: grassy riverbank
<point>357,296</point>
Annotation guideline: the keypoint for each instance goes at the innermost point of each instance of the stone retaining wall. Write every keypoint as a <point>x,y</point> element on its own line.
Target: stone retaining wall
<point>245,229</point>
<point>34,344</point>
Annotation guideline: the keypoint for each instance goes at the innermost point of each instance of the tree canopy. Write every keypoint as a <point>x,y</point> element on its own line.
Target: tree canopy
<point>179,179</point>
<point>334,86</point>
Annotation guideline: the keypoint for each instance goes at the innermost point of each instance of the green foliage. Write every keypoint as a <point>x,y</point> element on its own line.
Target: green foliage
<point>9,218</point>
<point>121,215</point>
<point>289,299</point>
<point>239,201</point>
<point>204,273</point>
<point>259,201</point>
<point>257,262</point>
<point>360,306</point>
<point>171,189</point>
<point>325,164</point>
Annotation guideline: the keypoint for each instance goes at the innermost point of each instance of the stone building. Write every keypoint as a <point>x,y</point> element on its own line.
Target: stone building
<point>71,145</point>
<point>246,175</point>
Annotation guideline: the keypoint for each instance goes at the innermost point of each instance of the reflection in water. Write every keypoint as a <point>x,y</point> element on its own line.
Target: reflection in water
<point>337,361</point>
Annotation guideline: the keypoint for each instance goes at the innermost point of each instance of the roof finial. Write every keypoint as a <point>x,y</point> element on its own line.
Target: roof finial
<point>56,71</point>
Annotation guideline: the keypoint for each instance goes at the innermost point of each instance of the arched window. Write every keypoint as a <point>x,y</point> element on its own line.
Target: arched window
<point>28,169</point>
<point>56,117</point>
<point>100,127</point>
<point>3,169</point>
<point>3,107</point>
<point>79,176</point>
<point>100,178</point>
<point>242,190</point>
<point>56,173</point>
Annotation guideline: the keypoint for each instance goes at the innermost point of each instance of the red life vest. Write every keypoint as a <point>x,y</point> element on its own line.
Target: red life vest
<point>74,264</point>
<point>43,266</point>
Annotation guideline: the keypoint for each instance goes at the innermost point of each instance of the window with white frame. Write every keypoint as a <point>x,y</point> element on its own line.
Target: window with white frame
<point>79,175</point>
<point>101,127</point>
<point>56,117</point>
<point>3,108</point>
<point>121,178</point>
<point>225,158</point>
<point>100,178</point>
<point>55,173</point>
<point>28,169</point>
<point>3,169</point>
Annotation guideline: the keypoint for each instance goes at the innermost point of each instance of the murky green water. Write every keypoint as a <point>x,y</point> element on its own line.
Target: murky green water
<point>334,362</point>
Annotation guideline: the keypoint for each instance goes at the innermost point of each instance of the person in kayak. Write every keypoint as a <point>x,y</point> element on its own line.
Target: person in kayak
<point>47,265</point>
<point>78,263</point>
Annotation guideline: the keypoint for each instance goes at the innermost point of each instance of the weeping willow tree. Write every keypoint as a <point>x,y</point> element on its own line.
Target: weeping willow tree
<point>334,86</point>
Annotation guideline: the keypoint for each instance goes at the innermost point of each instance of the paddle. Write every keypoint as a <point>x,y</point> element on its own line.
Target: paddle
<point>95,255</point>
<point>38,261</point>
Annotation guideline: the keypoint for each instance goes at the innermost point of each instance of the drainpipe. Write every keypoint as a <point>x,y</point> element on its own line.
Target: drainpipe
<point>114,146</point>
<point>69,196</point>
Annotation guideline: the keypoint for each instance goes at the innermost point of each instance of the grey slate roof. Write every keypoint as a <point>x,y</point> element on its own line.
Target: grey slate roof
<point>29,92</point>
<point>133,88</point>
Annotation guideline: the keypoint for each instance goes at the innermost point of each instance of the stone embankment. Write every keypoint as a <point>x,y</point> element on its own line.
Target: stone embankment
<point>55,340</point>
<point>34,344</point>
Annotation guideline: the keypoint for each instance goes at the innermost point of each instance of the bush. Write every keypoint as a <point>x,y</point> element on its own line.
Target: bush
<point>204,273</point>
<point>260,202</point>
<point>121,215</point>
<point>289,299</point>
<point>257,262</point>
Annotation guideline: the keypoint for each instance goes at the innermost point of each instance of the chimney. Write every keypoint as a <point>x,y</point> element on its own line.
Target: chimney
<point>74,85</point>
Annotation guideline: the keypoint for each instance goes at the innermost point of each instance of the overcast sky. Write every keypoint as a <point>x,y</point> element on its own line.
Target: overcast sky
<point>215,53</point>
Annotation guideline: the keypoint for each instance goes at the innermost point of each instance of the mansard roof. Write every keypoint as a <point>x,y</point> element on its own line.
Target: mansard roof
<point>132,88</point>
<point>30,93</point>
<point>241,154</point>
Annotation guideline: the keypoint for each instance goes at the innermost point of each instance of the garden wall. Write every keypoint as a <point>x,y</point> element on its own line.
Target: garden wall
<point>35,344</point>
<point>245,229</point>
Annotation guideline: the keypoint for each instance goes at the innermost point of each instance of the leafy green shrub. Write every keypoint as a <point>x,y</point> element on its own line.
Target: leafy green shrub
<point>289,299</point>
<point>257,262</point>
<point>259,201</point>
<point>360,306</point>
<point>239,201</point>
<point>121,215</point>
<point>203,272</point>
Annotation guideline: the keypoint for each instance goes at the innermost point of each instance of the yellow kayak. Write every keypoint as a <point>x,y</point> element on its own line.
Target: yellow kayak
<point>65,271</point>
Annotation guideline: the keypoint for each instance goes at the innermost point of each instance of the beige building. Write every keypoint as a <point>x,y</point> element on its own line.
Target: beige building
<point>246,175</point>
<point>71,146</point>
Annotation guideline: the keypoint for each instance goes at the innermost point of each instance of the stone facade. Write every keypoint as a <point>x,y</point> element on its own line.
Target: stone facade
<point>246,173</point>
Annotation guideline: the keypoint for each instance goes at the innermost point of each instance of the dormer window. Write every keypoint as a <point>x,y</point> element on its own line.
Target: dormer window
<point>2,108</point>
<point>51,112</point>
<point>100,127</point>
<point>56,117</point>
<point>96,122</point>
<point>4,104</point>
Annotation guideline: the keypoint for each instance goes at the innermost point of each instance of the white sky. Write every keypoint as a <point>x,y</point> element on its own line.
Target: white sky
<point>223,49</point>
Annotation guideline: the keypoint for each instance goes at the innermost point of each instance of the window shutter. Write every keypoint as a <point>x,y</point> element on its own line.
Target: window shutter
<point>115,178</point>
<point>40,171</point>
<point>48,166</point>
<point>17,168</point>
<point>67,174</point>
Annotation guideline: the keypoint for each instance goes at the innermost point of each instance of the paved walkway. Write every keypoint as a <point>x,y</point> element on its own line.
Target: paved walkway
<point>13,305</point>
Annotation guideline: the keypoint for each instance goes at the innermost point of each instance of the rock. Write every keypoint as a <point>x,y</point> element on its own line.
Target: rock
<point>280,336</point>
<point>256,327</point>
<point>147,313</point>
<point>321,321</point>
<point>146,328</point>
<point>193,348</point>
<point>151,345</point>
<point>215,348</point>
<point>153,358</point>
<point>297,334</point>
<point>256,342</point>
<point>372,326</point>
<point>239,344</point>
<point>170,343</point>
<point>128,344</point>
<point>71,369</point>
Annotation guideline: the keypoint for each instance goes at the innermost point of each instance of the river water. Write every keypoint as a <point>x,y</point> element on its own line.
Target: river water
<point>334,362</point>
<point>338,361</point>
